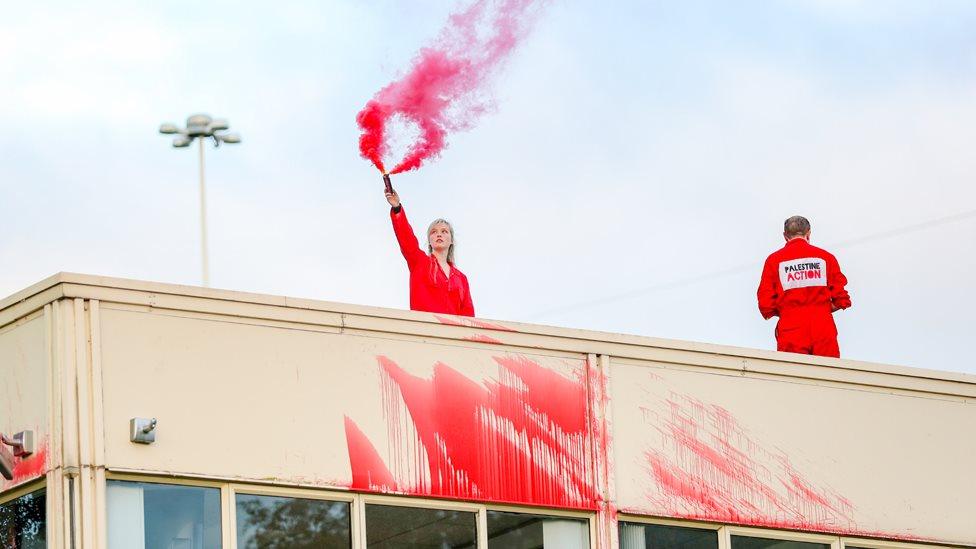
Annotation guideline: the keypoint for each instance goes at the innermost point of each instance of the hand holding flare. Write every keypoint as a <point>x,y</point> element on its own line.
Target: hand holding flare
<point>391,196</point>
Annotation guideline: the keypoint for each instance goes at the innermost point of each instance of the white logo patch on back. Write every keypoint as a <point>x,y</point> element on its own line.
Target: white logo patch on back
<point>803,273</point>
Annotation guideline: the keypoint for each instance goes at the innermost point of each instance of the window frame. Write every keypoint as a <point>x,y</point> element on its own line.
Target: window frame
<point>357,501</point>
<point>419,503</point>
<point>723,541</point>
<point>869,543</point>
<point>180,481</point>
<point>785,535</point>
<point>726,531</point>
<point>35,485</point>
<point>22,490</point>
<point>589,517</point>
<point>288,492</point>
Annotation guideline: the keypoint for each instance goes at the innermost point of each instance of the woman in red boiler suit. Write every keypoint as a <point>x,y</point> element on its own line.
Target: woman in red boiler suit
<point>436,284</point>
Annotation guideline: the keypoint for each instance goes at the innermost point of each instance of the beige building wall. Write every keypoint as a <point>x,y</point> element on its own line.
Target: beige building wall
<point>310,406</point>
<point>24,392</point>
<point>793,453</point>
<point>276,391</point>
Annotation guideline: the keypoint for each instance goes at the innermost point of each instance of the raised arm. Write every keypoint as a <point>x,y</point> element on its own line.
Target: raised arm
<point>768,293</point>
<point>409,246</point>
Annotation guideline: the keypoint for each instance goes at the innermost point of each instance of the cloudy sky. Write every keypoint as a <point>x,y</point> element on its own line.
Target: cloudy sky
<point>632,179</point>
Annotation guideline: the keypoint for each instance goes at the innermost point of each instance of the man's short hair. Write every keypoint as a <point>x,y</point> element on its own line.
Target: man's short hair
<point>796,226</point>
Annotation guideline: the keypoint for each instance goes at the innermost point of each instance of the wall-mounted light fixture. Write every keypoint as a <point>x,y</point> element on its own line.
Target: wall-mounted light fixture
<point>142,430</point>
<point>23,445</point>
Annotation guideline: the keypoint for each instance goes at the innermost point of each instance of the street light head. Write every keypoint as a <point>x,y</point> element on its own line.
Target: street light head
<point>219,124</point>
<point>198,125</point>
<point>182,141</point>
<point>199,120</point>
<point>230,138</point>
<point>168,128</point>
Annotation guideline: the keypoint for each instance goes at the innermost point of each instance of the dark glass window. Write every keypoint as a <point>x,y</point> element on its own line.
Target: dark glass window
<point>635,535</point>
<point>143,515</point>
<point>273,522</point>
<point>22,522</point>
<point>749,542</point>
<point>524,531</point>
<point>392,527</point>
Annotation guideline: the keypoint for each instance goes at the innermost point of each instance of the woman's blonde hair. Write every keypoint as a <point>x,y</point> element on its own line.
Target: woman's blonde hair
<point>450,228</point>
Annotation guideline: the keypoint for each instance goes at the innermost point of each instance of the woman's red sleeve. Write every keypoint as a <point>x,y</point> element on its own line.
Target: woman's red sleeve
<point>467,306</point>
<point>409,246</point>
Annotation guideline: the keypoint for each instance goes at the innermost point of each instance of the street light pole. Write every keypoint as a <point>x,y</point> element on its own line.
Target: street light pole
<point>203,221</point>
<point>199,127</point>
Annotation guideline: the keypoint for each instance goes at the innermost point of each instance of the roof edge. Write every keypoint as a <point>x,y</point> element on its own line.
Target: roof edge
<point>67,279</point>
<point>30,291</point>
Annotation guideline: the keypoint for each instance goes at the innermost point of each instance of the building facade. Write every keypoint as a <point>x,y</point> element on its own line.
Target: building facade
<point>281,422</point>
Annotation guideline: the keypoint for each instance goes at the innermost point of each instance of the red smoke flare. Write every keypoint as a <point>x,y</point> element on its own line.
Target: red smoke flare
<point>444,89</point>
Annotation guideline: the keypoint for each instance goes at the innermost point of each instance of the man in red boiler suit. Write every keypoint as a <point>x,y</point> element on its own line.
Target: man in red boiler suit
<point>803,286</point>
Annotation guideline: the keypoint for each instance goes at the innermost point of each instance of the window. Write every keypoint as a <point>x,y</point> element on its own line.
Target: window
<point>749,542</point>
<point>525,531</point>
<point>657,536</point>
<point>393,527</point>
<point>161,514</point>
<point>273,522</point>
<point>22,522</point>
<point>143,515</point>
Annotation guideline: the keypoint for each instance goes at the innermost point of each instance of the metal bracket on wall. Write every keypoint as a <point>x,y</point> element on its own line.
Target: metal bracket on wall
<point>142,430</point>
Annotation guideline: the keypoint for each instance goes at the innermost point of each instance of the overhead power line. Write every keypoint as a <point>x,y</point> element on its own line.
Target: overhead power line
<point>751,266</point>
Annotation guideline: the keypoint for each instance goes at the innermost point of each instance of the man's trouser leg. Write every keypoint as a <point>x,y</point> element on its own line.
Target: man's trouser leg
<point>823,332</point>
<point>793,335</point>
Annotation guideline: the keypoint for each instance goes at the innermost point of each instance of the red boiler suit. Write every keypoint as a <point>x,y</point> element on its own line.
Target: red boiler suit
<point>430,289</point>
<point>803,286</point>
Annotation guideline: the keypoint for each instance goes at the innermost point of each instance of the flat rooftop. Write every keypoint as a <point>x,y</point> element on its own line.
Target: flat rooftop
<point>159,295</point>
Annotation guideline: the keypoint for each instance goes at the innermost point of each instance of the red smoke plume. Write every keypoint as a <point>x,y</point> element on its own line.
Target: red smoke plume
<point>444,89</point>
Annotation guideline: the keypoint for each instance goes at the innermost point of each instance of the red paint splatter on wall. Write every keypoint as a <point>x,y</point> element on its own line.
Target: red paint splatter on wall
<point>520,438</point>
<point>28,468</point>
<point>709,467</point>
<point>445,89</point>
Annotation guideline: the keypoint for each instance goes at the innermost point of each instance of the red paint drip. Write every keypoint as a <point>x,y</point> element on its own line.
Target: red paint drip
<point>559,398</point>
<point>480,338</point>
<point>518,439</point>
<point>710,468</point>
<point>28,468</point>
<point>367,465</point>
<point>445,89</point>
<point>489,325</point>
<point>471,323</point>
<point>798,485</point>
